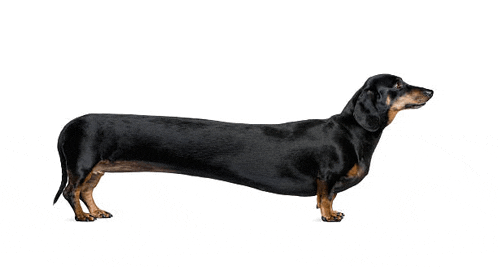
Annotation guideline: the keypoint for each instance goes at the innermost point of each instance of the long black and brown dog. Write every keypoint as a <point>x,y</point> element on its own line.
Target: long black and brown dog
<point>303,158</point>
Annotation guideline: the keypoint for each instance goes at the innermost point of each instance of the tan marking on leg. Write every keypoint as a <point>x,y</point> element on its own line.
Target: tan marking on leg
<point>326,209</point>
<point>84,191</point>
<point>87,195</point>
<point>325,204</point>
<point>320,192</point>
<point>72,195</point>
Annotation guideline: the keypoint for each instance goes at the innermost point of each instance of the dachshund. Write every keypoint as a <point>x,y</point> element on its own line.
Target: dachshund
<point>321,157</point>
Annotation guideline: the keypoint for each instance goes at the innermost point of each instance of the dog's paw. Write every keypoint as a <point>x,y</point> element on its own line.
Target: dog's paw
<point>85,217</point>
<point>334,217</point>
<point>101,214</point>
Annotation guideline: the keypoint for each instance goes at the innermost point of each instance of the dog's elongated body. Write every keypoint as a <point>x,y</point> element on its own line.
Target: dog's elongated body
<point>304,158</point>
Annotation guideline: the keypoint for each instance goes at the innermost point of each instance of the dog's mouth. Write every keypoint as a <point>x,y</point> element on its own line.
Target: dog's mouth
<point>418,98</point>
<point>414,106</point>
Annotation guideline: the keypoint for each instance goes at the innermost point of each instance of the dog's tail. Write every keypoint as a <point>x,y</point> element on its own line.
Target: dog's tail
<point>60,144</point>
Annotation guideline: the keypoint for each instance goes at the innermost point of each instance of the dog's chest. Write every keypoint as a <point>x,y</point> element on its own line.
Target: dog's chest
<point>352,178</point>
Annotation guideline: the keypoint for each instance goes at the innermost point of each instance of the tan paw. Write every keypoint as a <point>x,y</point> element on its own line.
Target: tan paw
<point>101,214</point>
<point>85,217</point>
<point>334,217</point>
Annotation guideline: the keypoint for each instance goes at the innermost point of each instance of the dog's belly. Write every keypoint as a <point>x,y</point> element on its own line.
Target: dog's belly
<point>297,186</point>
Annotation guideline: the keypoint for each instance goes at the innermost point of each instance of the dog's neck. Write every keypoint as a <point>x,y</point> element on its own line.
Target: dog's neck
<point>367,141</point>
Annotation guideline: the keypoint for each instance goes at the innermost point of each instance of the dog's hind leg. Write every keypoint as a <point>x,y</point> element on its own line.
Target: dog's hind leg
<point>72,194</point>
<point>86,195</point>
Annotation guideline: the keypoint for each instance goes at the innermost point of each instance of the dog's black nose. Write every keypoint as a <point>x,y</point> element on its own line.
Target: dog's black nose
<point>428,93</point>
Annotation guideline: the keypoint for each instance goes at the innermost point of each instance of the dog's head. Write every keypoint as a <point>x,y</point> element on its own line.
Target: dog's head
<point>382,97</point>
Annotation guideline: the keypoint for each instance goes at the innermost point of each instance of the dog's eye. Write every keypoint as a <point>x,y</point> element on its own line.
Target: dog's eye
<point>398,85</point>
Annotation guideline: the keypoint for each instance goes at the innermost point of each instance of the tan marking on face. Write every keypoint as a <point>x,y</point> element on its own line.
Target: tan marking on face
<point>390,115</point>
<point>413,97</point>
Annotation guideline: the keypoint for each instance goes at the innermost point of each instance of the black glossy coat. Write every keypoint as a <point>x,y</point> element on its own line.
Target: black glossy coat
<point>283,158</point>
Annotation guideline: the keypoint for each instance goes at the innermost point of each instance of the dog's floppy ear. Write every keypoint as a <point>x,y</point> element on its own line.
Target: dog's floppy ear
<point>365,111</point>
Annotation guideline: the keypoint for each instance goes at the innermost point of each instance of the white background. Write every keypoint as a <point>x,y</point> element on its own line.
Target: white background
<point>429,200</point>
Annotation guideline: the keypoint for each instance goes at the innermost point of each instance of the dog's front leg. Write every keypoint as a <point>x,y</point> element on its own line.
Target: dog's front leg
<point>325,198</point>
